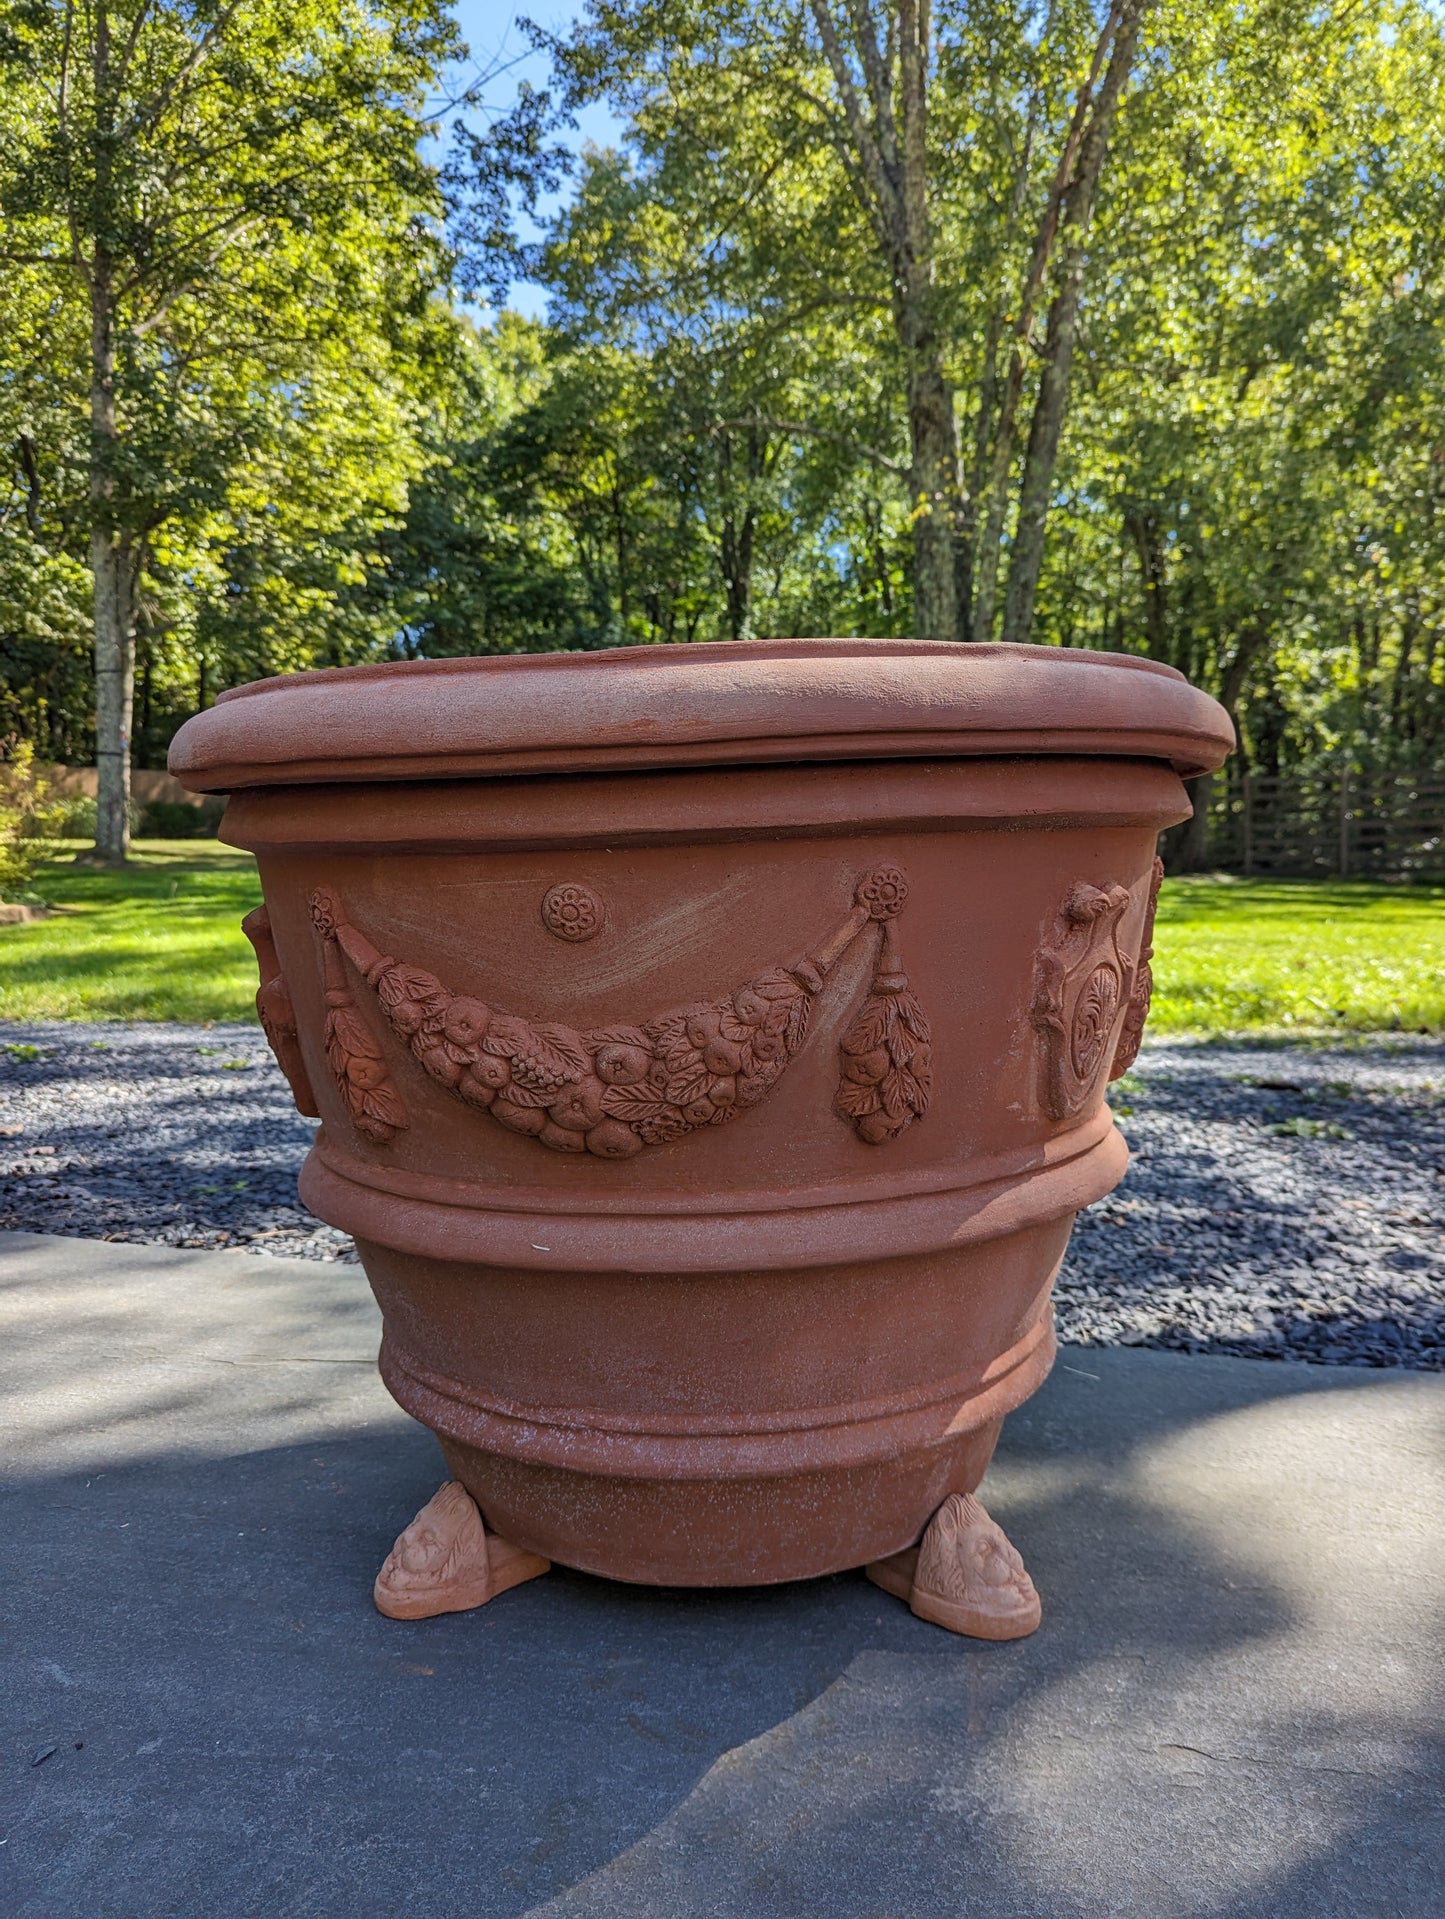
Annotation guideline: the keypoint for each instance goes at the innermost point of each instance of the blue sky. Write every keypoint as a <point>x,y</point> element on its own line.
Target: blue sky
<point>496,42</point>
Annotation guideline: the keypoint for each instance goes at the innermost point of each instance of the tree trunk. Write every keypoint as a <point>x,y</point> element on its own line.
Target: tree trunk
<point>934,435</point>
<point>1036,492</point>
<point>991,486</point>
<point>882,573</point>
<point>112,573</point>
<point>886,157</point>
<point>1143,529</point>
<point>1236,674</point>
<point>619,531</point>
<point>932,422</point>
<point>999,399</point>
<point>112,587</point>
<point>736,542</point>
<point>111,576</point>
<point>737,564</point>
<point>985,572</point>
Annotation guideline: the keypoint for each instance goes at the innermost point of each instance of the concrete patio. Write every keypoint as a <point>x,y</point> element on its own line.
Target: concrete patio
<point>1234,1706</point>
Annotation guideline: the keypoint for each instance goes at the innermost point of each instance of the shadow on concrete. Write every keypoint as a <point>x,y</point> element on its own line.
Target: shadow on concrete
<point>1219,1718</point>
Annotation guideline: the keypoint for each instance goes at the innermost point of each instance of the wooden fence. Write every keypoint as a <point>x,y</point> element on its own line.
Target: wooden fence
<point>146,784</point>
<point>1345,825</point>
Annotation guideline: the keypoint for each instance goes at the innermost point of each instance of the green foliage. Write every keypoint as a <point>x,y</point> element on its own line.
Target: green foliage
<point>1254,475</point>
<point>45,667</point>
<point>73,817</point>
<point>26,812</point>
<point>219,243</point>
<point>712,439</point>
<point>179,820</point>
<point>316,461</point>
<point>485,560</point>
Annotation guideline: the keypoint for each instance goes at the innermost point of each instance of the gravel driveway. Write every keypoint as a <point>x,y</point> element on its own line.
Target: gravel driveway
<point>1284,1201</point>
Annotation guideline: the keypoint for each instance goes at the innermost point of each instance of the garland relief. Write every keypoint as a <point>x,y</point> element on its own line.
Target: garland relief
<point>612,1091</point>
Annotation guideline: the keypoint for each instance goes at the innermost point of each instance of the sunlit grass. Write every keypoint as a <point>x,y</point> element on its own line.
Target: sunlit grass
<point>163,940</point>
<point>1298,955</point>
<point>159,940</point>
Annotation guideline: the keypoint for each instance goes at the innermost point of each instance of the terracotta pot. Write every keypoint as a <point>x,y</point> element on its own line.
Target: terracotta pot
<point>711,1045</point>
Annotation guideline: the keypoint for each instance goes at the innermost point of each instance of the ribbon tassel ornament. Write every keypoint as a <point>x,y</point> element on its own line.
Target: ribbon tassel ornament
<point>887,1051</point>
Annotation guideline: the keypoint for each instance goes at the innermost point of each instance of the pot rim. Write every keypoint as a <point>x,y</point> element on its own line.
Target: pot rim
<point>715,704</point>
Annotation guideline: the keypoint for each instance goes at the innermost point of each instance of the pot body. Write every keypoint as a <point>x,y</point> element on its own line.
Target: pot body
<point>767,1346</point>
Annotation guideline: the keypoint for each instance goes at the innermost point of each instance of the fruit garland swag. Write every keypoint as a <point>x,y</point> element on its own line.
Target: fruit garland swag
<point>614,1090</point>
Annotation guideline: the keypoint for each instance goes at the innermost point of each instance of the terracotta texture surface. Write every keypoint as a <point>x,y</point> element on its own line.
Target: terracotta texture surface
<point>725,704</point>
<point>710,1045</point>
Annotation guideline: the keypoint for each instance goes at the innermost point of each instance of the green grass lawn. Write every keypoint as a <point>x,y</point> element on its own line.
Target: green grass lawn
<point>163,941</point>
<point>160,940</point>
<point>1235,956</point>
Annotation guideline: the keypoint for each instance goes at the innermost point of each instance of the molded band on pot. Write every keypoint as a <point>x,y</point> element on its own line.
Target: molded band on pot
<point>415,1213</point>
<point>653,1446</point>
<point>679,806</point>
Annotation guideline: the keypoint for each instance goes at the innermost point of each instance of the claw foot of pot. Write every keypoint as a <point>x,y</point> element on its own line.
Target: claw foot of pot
<point>447,1561</point>
<point>963,1575</point>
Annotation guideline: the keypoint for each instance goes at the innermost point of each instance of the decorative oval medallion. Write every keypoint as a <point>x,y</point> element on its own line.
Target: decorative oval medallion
<point>1132,1033</point>
<point>573,912</point>
<point>1082,984</point>
<point>1095,1011</point>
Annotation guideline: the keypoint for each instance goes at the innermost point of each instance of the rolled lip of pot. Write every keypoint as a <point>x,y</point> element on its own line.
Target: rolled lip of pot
<point>747,702</point>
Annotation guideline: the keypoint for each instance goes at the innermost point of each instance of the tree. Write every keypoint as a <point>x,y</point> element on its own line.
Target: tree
<point>485,560</point>
<point>220,240</point>
<point>881,157</point>
<point>722,385</point>
<point>1253,488</point>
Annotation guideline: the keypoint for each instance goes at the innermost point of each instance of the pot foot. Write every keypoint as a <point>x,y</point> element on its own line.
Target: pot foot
<point>963,1575</point>
<point>447,1561</point>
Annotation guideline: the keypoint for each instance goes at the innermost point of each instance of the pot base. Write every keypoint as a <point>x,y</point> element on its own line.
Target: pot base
<point>719,1429</point>
<point>735,1532</point>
